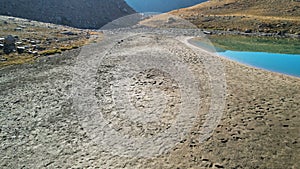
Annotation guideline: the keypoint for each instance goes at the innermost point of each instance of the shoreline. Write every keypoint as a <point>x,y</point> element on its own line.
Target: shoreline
<point>253,34</point>
<point>239,63</point>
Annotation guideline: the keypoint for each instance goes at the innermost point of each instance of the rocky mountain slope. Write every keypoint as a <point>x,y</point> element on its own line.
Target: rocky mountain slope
<point>282,16</point>
<point>75,13</point>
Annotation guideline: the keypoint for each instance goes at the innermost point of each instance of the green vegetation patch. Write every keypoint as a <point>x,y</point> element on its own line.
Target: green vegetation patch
<point>256,44</point>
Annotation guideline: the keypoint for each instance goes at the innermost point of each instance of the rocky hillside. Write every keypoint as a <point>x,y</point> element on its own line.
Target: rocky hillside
<point>246,15</point>
<point>75,13</point>
<point>23,41</point>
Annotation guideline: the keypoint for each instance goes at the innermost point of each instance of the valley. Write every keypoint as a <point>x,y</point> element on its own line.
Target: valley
<point>149,91</point>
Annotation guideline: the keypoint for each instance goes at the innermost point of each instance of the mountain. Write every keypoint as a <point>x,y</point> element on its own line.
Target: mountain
<point>245,15</point>
<point>75,13</point>
<point>161,5</point>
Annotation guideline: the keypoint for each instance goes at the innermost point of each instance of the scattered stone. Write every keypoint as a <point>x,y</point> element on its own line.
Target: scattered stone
<point>21,49</point>
<point>88,35</point>
<point>3,59</point>
<point>1,46</point>
<point>248,31</point>
<point>19,43</point>
<point>68,33</point>
<point>2,39</point>
<point>33,46</point>
<point>33,42</point>
<point>22,26</point>
<point>18,29</point>
<point>9,44</point>
<point>207,32</point>
<point>35,53</point>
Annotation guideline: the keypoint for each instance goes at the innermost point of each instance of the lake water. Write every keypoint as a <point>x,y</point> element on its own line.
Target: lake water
<point>281,63</point>
<point>160,5</point>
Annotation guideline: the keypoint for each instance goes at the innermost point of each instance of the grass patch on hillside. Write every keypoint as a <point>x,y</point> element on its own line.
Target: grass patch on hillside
<point>256,44</point>
<point>50,52</point>
<point>15,59</point>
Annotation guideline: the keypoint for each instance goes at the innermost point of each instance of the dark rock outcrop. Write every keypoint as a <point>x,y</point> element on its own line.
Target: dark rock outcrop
<point>75,13</point>
<point>9,44</point>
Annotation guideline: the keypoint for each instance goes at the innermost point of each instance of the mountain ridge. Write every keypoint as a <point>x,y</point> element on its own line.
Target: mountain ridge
<point>91,14</point>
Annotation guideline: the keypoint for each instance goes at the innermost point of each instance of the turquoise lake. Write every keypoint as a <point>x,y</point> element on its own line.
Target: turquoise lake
<point>276,62</point>
<point>160,5</point>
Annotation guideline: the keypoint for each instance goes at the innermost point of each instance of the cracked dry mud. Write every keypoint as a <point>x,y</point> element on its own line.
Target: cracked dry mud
<point>41,127</point>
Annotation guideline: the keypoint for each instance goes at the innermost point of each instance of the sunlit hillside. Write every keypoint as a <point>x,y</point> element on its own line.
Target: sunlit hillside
<point>246,15</point>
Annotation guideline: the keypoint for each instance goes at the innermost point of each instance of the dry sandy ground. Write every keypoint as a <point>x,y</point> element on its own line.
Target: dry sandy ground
<point>43,126</point>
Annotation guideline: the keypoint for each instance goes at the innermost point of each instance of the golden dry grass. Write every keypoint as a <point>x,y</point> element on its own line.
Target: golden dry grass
<point>263,15</point>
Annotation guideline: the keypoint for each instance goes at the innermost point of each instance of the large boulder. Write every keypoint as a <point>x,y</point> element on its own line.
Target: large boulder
<point>9,44</point>
<point>75,13</point>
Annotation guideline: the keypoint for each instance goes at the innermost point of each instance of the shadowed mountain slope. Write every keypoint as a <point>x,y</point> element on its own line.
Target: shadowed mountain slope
<point>75,13</point>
